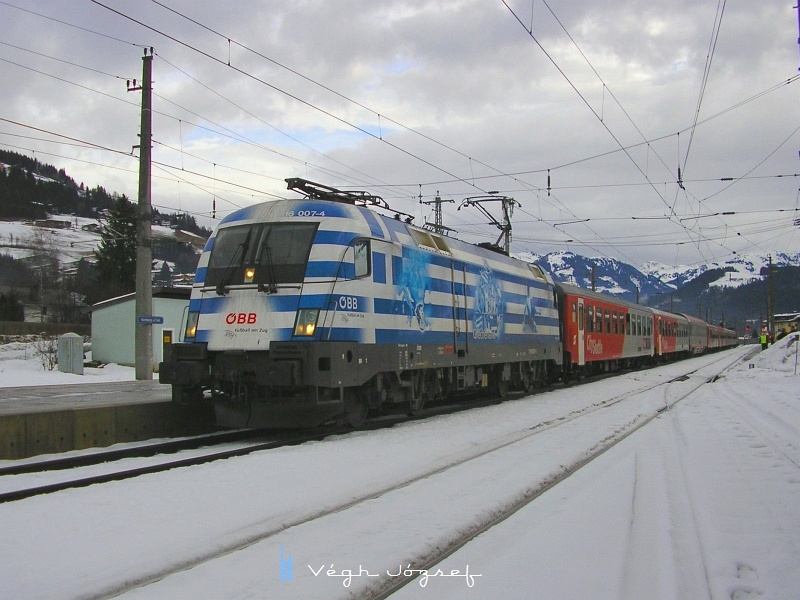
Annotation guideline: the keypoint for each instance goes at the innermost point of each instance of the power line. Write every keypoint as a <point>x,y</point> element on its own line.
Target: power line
<point>375,112</point>
<point>244,110</point>
<point>105,35</point>
<point>599,117</point>
<point>66,137</point>
<point>706,73</point>
<point>66,62</point>
<point>289,95</point>
<point>337,94</point>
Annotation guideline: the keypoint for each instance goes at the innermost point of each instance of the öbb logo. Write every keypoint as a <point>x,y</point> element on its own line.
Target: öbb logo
<point>240,318</point>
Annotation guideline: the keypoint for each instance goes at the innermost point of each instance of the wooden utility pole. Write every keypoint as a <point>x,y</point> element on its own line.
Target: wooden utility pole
<point>144,254</point>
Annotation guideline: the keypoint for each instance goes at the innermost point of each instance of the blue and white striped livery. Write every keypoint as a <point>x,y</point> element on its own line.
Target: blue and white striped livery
<point>303,311</point>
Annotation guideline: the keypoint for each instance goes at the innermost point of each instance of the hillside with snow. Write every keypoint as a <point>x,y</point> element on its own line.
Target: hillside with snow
<point>739,271</point>
<point>70,238</point>
<point>652,278</point>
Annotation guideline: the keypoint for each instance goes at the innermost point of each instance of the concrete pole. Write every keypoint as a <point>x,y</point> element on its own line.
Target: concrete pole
<point>144,255</point>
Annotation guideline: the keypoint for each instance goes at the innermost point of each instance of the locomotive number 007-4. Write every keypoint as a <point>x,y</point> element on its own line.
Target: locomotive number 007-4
<point>305,213</point>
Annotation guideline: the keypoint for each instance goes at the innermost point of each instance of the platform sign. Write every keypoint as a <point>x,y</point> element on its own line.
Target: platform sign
<point>148,320</point>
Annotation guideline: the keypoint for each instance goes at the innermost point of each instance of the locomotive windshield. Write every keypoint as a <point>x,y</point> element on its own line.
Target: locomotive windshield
<point>261,253</point>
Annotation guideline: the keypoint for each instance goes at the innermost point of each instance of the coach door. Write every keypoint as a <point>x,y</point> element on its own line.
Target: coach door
<point>458,280</point>
<point>581,323</point>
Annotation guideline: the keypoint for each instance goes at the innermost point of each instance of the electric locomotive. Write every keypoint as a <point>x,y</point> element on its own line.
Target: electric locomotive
<point>322,309</point>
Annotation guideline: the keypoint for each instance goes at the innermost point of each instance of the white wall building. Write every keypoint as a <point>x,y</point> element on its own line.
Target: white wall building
<point>114,325</point>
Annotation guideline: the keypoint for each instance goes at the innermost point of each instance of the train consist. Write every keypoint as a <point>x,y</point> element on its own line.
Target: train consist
<point>322,309</point>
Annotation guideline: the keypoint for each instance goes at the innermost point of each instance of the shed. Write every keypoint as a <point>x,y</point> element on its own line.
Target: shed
<point>114,324</point>
<point>787,322</point>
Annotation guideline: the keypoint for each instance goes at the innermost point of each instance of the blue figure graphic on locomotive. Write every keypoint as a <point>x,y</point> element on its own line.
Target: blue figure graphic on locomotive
<point>321,309</point>
<point>307,311</point>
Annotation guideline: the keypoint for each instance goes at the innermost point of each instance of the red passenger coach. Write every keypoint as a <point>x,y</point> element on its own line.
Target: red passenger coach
<point>671,335</point>
<point>698,335</point>
<point>602,333</point>
<point>720,338</point>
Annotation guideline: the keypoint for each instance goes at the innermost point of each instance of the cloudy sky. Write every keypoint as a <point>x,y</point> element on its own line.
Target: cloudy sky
<point>583,111</point>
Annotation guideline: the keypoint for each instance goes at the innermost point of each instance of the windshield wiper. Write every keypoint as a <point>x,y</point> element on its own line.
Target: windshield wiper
<point>270,286</point>
<point>230,270</point>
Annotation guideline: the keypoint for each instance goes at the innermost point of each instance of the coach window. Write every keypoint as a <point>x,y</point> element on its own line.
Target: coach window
<point>580,317</point>
<point>361,251</point>
<point>627,323</point>
<point>614,322</point>
<point>608,321</point>
<point>590,319</point>
<point>574,312</point>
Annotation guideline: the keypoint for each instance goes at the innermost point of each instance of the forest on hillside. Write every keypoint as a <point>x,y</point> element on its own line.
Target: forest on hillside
<point>40,284</point>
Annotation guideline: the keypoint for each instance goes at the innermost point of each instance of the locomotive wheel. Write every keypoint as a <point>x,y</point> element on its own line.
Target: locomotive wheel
<point>498,385</point>
<point>528,382</point>
<point>426,391</point>
<point>355,409</point>
<point>501,388</point>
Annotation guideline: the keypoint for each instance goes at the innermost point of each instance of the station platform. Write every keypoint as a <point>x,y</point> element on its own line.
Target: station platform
<point>58,418</point>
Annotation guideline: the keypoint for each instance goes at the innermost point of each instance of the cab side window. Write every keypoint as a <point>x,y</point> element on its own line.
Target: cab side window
<point>362,255</point>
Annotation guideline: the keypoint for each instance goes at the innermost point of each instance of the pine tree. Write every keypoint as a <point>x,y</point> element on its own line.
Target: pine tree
<point>11,307</point>
<point>116,254</point>
<point>164,275</point>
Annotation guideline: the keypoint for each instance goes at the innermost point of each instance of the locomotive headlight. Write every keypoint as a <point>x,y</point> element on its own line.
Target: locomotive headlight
<point>191,325</point>
<point>249,274</point>
<point>306,321</point>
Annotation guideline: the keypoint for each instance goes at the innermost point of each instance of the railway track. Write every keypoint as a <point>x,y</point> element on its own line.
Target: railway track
<point>273,440</point>
<point>85,459</point>
<point>359,500</point>
<point>254,440</point>
<point>392,585</point>
<point>30,491</point>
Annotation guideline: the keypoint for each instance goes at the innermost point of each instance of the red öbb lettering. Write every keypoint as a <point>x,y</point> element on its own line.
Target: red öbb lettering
<point>241,318</point>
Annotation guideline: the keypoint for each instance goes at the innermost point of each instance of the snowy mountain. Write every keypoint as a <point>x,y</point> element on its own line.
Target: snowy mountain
<point>610,276</point>
<point>621,279</point>
<point>737,271</point>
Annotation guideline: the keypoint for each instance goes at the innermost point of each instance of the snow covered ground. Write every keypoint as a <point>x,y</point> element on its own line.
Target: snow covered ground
<point>21,364</point>
<point>701,502</point>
